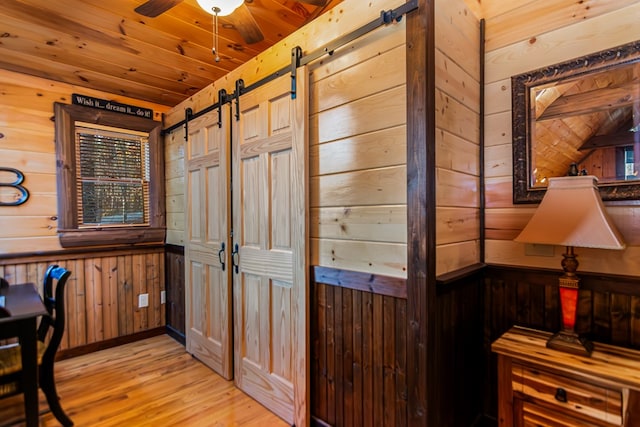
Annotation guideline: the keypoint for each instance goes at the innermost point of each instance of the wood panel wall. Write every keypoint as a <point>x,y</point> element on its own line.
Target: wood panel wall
<point>370,168</point>
<point>457,76</point>
<point>359,338</point>
<point>174,187</point>
<point>102,291</point>
<point>175,287</point>
<point>458,353</point>
<point>358,193</point>
<point>104,286</point>
<point>27,136</point>
<point>358,151</point>
<point>358,355</point>
<point>357,156</point>
<point>522,36</point>
<point>608,310</point>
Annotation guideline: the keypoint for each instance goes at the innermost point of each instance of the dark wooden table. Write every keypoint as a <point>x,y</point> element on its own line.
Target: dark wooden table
<point>24,305</point>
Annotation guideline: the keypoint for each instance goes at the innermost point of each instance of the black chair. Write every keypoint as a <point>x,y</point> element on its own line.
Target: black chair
<point>3,311</point>
<point>50,333</point>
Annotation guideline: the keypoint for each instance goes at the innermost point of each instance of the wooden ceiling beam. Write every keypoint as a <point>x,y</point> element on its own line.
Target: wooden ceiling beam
<point>593,101</point>
<point>618,139</point>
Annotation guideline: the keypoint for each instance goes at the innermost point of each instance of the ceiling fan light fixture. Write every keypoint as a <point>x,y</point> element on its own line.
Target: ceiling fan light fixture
<point>225,7</point>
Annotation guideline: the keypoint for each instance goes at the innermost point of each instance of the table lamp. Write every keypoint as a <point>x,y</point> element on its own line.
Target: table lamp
<point>571,214</point>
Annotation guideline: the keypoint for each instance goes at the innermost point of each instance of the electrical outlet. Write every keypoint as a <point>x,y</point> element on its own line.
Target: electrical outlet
<point>143,300</point>
<point>537,249</point>
<point>163,297</point>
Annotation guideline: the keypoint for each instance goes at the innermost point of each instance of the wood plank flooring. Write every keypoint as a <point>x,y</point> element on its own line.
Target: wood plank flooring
<point>153,382</point>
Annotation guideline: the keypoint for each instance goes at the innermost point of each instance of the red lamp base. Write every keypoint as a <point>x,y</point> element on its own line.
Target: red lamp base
<point>567,339</point>
<point>569,342</point>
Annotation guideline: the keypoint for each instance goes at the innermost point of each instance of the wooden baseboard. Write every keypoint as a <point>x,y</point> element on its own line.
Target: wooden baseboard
<point>176,335</point>
<point>317,422</point>
<point>485,421</point>
<point>114,342</point>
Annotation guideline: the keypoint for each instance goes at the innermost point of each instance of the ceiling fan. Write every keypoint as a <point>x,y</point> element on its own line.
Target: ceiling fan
<point>238,13</point>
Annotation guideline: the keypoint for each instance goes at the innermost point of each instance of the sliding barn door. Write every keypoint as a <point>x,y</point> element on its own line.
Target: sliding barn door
<point>208,291</point>
<point>270,220</point>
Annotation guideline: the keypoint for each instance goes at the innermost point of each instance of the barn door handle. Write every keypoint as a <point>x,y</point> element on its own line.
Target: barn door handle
<point>220,256</point>
<point>234,257</point>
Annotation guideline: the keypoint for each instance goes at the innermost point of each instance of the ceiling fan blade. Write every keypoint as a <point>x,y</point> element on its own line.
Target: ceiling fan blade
<point>316,2</point>
<point>243,21</point>
<point>153,8</point>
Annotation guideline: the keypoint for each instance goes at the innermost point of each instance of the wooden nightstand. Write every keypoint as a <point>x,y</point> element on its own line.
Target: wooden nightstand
<point>538,386</point>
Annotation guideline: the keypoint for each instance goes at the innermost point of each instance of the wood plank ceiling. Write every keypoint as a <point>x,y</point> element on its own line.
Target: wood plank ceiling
<point>106,45</point>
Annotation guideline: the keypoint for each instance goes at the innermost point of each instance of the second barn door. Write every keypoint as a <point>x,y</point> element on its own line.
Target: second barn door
<point>269,159</point>
<point>207,283</point>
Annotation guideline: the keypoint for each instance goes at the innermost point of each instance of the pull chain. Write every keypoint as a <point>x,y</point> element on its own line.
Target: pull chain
<point>214,50</point>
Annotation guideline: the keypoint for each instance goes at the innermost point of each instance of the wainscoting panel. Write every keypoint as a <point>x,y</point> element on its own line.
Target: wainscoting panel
<point>358,350</point>
<point>608,310</point>
<point>457,356</point>
<point>102,291</point>
<point>174,279</point>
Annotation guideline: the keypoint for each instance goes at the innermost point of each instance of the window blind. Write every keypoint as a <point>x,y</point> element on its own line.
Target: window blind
<point>112,177</point>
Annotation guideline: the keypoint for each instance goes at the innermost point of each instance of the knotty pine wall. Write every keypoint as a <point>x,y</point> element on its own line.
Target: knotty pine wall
<point>102,291</point>
<point>457,73</point>
<point>522,36</point>
<point>28,144</point>
<point>358,156</point>
<point>358,213</point>
<point>174,187</point>
<point>357,141</point>
<point>358,153</point>
<point>357,207</point>
<point>103,288</point>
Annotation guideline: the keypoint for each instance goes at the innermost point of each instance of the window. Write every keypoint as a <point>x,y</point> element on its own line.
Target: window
<point>110,178</point>
<point>113,176</point>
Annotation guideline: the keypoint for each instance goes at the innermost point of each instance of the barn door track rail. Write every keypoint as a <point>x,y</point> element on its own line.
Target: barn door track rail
<point>297,60</point>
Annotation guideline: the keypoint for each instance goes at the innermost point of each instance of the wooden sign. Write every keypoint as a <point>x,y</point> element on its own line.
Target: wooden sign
<point>116,107</point>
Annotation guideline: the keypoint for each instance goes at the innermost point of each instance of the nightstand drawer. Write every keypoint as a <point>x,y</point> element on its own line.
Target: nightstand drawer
<point>536,416</point>
<point>572,396</point>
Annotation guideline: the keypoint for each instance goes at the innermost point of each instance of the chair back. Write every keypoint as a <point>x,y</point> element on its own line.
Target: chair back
<point>55,277</point>
<point>3,311</point>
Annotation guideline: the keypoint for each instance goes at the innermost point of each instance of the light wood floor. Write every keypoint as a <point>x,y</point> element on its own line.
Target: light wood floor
<point>147,383</point>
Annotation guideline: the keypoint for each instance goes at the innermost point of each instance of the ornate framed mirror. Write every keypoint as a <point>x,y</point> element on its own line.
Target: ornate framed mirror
<point>584,112</point>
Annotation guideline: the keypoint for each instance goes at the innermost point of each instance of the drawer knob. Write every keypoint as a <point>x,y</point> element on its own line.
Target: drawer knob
<point>561,395</point>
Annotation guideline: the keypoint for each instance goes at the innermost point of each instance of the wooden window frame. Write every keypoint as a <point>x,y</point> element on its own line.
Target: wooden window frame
<point>66,115</point>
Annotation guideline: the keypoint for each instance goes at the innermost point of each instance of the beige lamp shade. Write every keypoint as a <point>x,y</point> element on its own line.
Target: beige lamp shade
<point>572,214</point>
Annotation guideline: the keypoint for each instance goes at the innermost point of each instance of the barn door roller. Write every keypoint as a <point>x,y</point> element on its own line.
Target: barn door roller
<point>222,99</point>
<point>386,17</point>
<point>188,113</point>
<point>296,56</point>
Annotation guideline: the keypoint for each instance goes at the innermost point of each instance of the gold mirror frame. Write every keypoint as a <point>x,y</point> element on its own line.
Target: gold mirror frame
<point>521,88</point>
